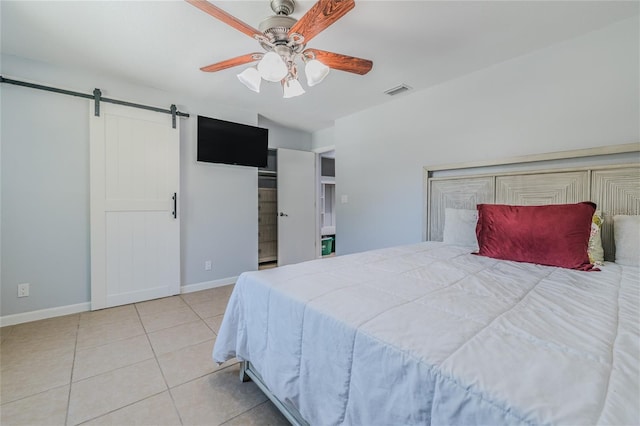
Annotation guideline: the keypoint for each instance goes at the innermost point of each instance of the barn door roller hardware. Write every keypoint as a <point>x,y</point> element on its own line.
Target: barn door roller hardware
<point>97,98</point>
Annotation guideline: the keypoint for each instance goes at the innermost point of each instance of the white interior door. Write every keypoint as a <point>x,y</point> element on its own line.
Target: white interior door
<point>135,232</point>
<point>296,206</point>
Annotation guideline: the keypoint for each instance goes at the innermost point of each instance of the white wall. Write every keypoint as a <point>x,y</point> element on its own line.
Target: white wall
<point>581,93</point>
<point>323,138</point>
<point>44,227</point>
<point>285,137</point>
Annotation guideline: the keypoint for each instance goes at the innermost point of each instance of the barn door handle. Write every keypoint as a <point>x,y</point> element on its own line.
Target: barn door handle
<point>175,205</point>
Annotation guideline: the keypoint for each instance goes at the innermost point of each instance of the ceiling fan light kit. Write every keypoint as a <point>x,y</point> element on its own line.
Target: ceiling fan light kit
<point>284,40</point>
<point>251,78</point>
<point>272,67</point>
<point>315,71</point>
<point>291,88</point>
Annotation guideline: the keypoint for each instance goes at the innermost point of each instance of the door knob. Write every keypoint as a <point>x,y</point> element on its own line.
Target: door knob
<point>283,214</point>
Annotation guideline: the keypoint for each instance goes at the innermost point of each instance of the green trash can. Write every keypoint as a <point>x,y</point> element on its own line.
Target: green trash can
<point>327,245</point>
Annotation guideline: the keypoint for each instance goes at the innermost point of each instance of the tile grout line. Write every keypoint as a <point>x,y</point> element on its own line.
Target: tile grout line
<point>109,342</point>
<point>46,388</point>
<point>205,375</point>
<point>125,366</point>
<point>192,310</point>
<point>199,316</point>
<point>155,356</point>
<point>119,408</point>
<point>244,412</point>
<point>73,365</point>
<point>187,304</point>
<point>22,398</point>
<point>169,388</point>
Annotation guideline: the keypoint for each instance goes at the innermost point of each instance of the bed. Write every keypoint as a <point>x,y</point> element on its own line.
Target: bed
<point>430,333</point>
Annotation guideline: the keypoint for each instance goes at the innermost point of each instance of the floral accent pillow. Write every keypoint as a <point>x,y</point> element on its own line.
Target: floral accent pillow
<point>595,251</point>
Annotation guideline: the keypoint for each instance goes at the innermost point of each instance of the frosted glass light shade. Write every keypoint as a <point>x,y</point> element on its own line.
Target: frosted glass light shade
<point>292,88</point>
<point>272,67</point>
<point>251,78</point>
<point>316,71</point>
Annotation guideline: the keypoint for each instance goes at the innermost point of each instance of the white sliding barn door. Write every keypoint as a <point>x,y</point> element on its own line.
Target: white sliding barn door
<point>135,236</point>
<point>296,206</point>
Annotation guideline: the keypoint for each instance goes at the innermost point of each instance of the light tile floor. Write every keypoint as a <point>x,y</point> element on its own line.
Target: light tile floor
<point>147,363</point>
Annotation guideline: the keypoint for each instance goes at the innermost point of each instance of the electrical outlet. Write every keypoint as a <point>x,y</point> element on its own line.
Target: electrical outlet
<point>207,265</point>
<point>23,290</point>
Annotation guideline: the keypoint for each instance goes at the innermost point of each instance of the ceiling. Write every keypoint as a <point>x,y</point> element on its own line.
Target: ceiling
<point>162,44</point>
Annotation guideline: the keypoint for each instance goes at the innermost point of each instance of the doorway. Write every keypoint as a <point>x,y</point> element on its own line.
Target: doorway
<point>287,223</point>
<point>327,203</point>
<point>268,212</point>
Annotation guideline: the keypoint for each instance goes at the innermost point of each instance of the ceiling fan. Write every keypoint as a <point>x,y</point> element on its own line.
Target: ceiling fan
<point>284,40</point>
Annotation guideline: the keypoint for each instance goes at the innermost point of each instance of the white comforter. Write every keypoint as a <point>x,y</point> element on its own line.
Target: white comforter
<point>429,334</point>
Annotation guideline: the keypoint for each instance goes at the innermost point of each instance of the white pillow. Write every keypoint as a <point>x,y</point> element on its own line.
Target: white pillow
<point>626,233</point>
<point>460,227</point>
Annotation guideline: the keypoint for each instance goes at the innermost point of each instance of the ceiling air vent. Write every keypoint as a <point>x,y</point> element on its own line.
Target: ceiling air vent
<point>397,90</point>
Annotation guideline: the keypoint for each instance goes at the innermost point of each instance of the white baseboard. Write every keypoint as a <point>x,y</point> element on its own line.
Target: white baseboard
<point>84,307</point>
<point>190,288</point>
<point>44,314</point>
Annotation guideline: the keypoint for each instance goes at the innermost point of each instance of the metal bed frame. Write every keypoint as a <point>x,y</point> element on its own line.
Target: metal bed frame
<point>248,373</point>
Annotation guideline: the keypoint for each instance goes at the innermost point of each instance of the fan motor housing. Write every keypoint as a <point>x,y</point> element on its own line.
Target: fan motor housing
<point>277,21</point>
<point>276,28</point>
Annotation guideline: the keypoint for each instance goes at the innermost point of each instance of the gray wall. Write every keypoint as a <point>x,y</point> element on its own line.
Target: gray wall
<point>45,204</point>
<point>44,218</point>
<point>581,93</point>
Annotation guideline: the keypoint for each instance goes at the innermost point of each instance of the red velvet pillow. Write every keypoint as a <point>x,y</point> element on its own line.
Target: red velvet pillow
<point>554,235</point>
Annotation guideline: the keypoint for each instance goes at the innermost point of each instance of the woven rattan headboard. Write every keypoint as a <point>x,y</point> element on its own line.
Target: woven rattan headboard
<point>615,188</point>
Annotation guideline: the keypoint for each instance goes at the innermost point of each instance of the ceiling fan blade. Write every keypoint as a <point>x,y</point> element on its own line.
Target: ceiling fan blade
<point>233,62</point>
<point>220,14</point>
<point>341,62</point>
<point>320,16</point>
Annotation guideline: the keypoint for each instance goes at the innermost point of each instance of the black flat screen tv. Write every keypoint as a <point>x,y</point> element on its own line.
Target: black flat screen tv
<point>225,142</point>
